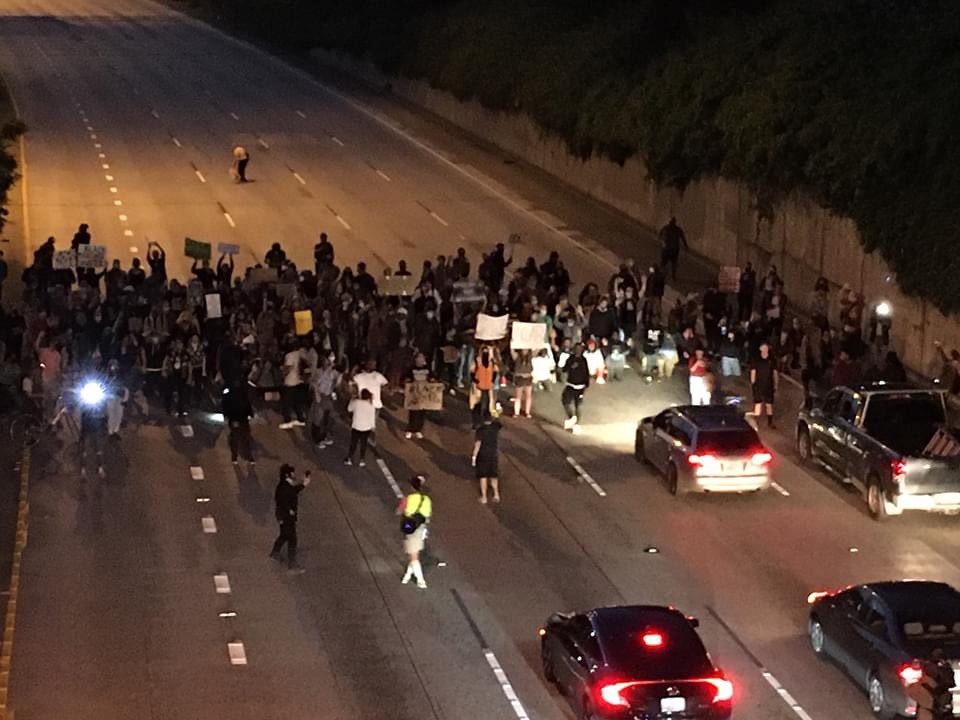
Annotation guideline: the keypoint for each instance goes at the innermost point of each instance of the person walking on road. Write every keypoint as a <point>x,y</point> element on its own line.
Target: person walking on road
<point>672,237</point>
<point>240,160</point>
<point>237,411</point>
<point>363,423</point>
<point>764,379</point>
<point>293,391</point>
<point>287,499</point>
<point>420,373</point>
<point>416,510</point>
<point>486,457</point>
<point>323,391</point>
<point>577,375</point>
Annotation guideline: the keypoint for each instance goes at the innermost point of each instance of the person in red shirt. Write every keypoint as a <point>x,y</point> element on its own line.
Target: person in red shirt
<point>699,367</point>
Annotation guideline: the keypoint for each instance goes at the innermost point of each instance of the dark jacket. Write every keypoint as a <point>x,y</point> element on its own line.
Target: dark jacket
<point>577,371</point>
<point>287,498</point>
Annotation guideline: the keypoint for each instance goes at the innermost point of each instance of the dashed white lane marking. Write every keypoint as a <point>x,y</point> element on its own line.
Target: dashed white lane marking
<point>302,114</point>
<point>118,203</point>
<point>89,128</point>
<point>93,136</point>
<point>234,116</point>
<point>337,140</point>
<point>196,472</point>
<point>780,489</point>
<point>155,114</point>
<point>346,225</point>
<point>203,499</point>
<point>785,696</point>
<point>208,524</point>
<point>121,217</point>
<point>200,176</point>
<point>128,233</point>
<point>229,219</point>
<point>98,146</point>
<point>134,249</point>
<point>299,179</point>
<point>186,431</point>
<point>439,219</point>
<point>263,143</point>
<point>382,174</point>
<point>586,477</point>
<point>109,178</point>
<point>105,166</point>
<point>113,189</point>
<point>238,654</point>
<point>176,142</point>
<point>221,583</point>
<point>505,685</point>
<point>390,479</point>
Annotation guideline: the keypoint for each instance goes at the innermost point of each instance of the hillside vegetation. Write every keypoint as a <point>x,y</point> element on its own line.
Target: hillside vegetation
<point>854,102</point>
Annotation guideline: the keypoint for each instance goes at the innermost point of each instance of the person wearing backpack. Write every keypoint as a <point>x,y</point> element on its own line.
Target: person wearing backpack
<point>416,510</point>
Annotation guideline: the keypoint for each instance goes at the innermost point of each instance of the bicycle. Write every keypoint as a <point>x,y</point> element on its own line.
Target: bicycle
<point>29,426</point>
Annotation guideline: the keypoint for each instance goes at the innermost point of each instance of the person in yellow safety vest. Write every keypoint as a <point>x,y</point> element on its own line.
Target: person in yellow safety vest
<point>932,694</point>
<point>416,510</point>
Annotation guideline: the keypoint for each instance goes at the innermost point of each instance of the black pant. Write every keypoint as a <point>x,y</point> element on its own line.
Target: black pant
<point>481,410</point>
<point>288,537</point>
<point>242,169</point>
<point>669,257</point>
<point>572,398</point>
<point>176,384</point>
<point>358,438</point>
<point>416,420</point>
<point>319,432</point>
<point>291,401</point>
<point>240,441</point>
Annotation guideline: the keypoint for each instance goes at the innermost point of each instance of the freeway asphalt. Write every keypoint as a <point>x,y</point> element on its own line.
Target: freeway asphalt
<point>118,614</point>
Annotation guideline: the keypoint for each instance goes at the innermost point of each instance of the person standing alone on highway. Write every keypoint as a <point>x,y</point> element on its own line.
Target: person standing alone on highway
<point>672,237</point>
<point>577,375</point>
<point>485,458</point>
<point>416,510</point>
<point>287,499</point>
<point>240,160</point>
<point>237,411</point>
<point>764,379</point>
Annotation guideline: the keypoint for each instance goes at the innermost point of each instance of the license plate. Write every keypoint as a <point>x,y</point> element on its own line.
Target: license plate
<point>731,468</point>
<point>673,704</point>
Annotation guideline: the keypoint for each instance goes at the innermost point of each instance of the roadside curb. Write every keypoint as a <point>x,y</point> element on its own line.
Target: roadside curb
<point>10,614</point>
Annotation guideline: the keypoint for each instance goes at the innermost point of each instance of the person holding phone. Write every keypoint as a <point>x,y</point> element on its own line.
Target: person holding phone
<point>287,499</point>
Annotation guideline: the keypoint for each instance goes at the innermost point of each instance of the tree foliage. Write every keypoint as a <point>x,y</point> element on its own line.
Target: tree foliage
<point>9,133</point>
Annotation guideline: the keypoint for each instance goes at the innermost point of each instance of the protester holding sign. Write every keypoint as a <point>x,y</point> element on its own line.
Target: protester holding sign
<point>420,373</point>
<point>486,370</point>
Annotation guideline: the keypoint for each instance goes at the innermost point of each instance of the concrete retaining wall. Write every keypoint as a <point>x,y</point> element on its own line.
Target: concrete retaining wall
<point>804,240</point>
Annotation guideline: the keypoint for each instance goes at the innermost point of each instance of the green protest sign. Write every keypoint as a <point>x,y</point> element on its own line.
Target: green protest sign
<point>196,249</point>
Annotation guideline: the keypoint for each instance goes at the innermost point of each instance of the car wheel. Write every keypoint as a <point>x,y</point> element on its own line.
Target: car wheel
<point>878,699</point>
<point>876,503</point>
<point>817,638</point>
<point>639,451</point>
<point>546,657</point>
<point>804,445</point>
<point>673,482</point>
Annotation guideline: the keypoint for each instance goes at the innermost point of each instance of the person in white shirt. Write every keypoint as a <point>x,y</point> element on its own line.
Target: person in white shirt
<point>363,423</point>
<point>373,381</point>
<point>293,391</point>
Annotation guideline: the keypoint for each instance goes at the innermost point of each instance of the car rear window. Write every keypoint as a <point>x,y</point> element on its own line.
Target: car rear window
<point>904,422</point>
<point>728,442</point>
<point>681,656</point>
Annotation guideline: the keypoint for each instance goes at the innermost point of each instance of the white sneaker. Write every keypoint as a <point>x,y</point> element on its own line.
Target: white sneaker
<point>422,584</point>
<point>569,423</point>
<point>362,463</point>
<point>299,423</point>
<point>577,430</point>
<point>408,435</point>
<point>328,443</point>
<point>406,579</point>
<point>285,425</point>
<point>419,435</point>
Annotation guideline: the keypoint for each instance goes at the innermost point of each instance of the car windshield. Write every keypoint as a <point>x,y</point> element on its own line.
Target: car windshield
<point>728,442</point>
<point>621,634</point>
<point>904,422</point>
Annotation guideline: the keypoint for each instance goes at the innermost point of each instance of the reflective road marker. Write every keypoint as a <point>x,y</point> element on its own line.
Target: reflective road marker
<point>221,584</point>
<point>237,653</point>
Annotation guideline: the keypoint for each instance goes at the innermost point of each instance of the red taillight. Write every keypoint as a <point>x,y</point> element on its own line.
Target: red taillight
<point>910,674</point>
<point>701,459</point>
<point>723,689</point>
<point>898,468</point>
<point>652,639</point>
<point>611,694</point>
<point>761,459</point>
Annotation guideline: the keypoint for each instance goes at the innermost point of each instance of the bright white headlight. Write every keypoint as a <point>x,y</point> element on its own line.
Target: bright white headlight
<point>92,393</point>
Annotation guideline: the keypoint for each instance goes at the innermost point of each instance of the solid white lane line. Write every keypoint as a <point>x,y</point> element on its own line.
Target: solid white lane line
<point>238,654</point>
<point>176,142</point>
<point>234,116</point>
<point>200,176</point>
<point>390,479</point>
<point>263,143</point>
<point>439,219</point>
<point>780,489</point>
<point>505,685</point>
<point>586,477</point>
<point>221,583</point>
<point>337,140</point>
<point>196,472</point>
<point>785,695</point>
<point>382,174</point>
<point>208,524</point>
<point>302,114</point>
<point>346,225</point>
<point>229,219</point>
<point>299,179</point>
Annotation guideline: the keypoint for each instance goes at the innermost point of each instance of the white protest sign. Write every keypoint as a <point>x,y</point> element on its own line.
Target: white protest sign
<point>490,327</point>
<point>403,285</point>
<point>214,310</point>
<point>91,256</point>
<point>528,336</point>
<point>228,249</point>
<point>64,260</point>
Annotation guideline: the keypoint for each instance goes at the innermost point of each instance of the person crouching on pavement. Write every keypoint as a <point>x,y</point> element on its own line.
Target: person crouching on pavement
<point>416,510</point>
<point>577,375</point>
<point>287,499</point>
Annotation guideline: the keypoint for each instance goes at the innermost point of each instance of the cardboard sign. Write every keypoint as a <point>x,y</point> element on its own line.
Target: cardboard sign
<point>260,276</point>
<point>466,291</point>
<point>423,396</point>
<point>728,279</point>
<point>214,310</point>
<point>490,327</point>
<point>528,336</point>
<point>286,291</point>
<point>91,256</point>
<point>195,292</point>
<point>64,260</point>
<point>398,285</point>
<point>228,249</point>
<point>303,320</point>
<point>196,249</point>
